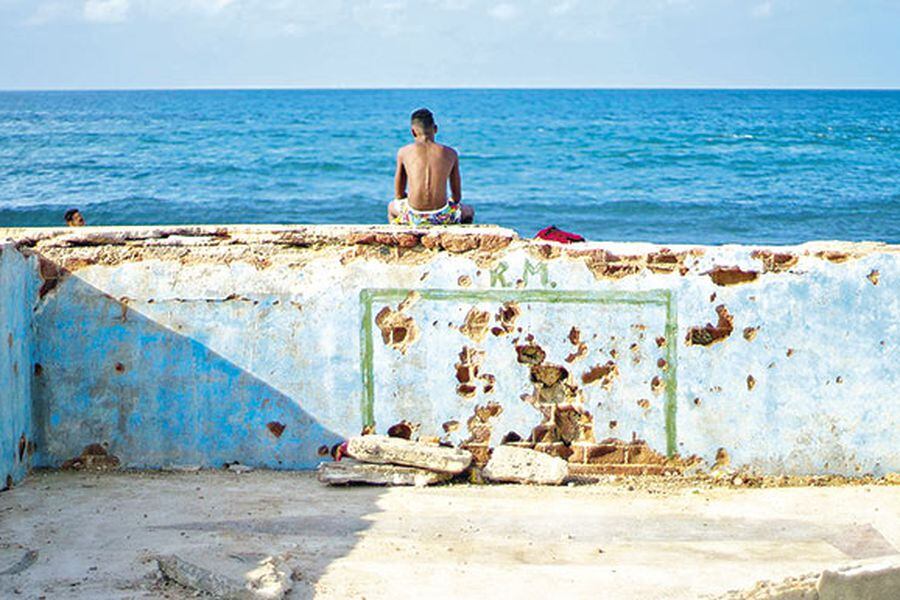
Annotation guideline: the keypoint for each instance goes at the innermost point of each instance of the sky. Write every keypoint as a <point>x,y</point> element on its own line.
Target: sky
<point>123,44</point>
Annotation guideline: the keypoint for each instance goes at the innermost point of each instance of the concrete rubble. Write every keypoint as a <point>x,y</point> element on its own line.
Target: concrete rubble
<point>867,582</point>
<point>878,580</point>
<point>522,465</point>
<point>269,580</point>
<point>388,460</point>
<point>351,471</point>
<point>387,450</point>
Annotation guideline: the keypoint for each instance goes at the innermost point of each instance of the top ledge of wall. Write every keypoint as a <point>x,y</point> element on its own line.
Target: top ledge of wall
<point>481,239</point>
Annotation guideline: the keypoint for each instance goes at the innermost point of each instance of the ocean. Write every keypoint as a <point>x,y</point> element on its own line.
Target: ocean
<point>666,166</point>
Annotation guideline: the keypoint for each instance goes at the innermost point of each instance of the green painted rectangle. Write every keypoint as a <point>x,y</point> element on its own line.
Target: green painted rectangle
<point>662,298</point>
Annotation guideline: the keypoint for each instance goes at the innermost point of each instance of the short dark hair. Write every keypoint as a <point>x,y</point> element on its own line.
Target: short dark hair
<point>423,118</point>
<point>70,214</point>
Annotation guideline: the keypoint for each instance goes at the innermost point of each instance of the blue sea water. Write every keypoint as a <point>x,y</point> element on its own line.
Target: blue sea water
<point>656,165</point>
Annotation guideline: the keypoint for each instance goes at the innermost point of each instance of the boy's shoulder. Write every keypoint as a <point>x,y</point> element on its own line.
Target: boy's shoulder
<point>410,147</point>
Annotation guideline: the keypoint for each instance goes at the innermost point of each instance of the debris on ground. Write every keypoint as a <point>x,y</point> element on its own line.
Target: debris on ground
<point>237,467</point>
<point>523,465</point>
<point>270,580</point>
<point>94,457</point>
<point>438,456</point>
<point>871,581</point>
<point>352,471</point>
<point>382,449</point>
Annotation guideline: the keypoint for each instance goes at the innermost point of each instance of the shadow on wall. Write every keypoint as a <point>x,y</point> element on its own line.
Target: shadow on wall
<point>106,374</point>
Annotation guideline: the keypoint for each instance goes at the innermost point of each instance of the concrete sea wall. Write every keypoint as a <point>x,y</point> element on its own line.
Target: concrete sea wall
<point>17,295</point>
<point>267,345</point>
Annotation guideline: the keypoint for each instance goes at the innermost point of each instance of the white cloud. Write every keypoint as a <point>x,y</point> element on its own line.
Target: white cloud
<point>564,7</point>
<point>211,7</point>
<point>106,11</point>
<point>452,5</point>
<point>388,17</point>
<point>47,12</point>
<point>763,10</point>
<point>504,12</point>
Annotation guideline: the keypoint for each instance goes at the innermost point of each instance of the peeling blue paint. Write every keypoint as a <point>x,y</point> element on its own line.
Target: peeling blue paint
<point>17,293</point>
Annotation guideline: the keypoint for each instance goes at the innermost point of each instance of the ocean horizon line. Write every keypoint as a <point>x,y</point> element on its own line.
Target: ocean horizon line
<point>444,89</point>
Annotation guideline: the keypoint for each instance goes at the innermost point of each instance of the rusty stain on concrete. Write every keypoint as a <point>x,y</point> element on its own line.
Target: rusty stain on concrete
<point>530,354</point>
<point>398,330</point>
<point>489,382</point>
<point>711,334</point>
<point>468,370</point>
<point>581,348</point>
<point>511,437</point>
<point>276,428</point>
<point>480,427</point>
<point>506,317</point>
<point>604,374</point>
<point>475,326</point>
<point>724,276</point>
<point>775,262</point>
<point>834,256</point>
<point>403,430</point>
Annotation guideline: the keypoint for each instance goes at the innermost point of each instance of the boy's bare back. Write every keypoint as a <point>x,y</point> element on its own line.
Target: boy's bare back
<point>429,167</point>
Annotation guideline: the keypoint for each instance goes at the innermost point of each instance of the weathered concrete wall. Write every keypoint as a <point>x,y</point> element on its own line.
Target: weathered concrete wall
<point>266,344</point>
<point>17,294</point>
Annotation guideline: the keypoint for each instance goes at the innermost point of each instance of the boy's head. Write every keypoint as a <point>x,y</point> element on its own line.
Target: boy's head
<point>73,218</point>
<point>422,123</point>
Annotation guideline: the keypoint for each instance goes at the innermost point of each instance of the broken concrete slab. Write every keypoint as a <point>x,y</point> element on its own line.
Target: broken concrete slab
<point>523,465</point>
<point>382,449</point>
<point>351,471</point>
<point>268,581</point>
<point>878,581</point>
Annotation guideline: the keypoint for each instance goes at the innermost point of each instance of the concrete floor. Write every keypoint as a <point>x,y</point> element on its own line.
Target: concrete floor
<point>96,533</point>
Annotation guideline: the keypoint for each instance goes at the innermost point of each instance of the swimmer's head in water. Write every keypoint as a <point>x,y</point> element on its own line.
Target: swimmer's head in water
<point>422,122</point>
<point>74,218</point>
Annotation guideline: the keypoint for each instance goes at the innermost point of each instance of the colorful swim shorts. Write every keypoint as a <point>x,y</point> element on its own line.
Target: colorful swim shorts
<point>449,214</point>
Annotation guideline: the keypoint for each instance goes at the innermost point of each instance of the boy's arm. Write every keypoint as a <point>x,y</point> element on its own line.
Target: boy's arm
<point>455,181</point>
<point>400,179</point>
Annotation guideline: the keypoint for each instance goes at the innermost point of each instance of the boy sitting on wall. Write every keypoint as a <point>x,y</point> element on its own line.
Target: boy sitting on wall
<point>426,167</point>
